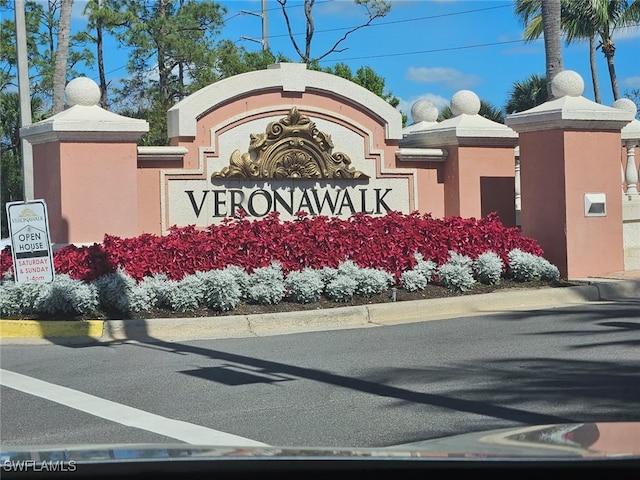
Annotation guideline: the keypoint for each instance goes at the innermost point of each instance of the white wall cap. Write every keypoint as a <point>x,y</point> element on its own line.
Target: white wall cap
<point>292,75</point>
<point>288,77</point>
<point>418,127</point>
<point>422,154</point>
<point>463,130</point>
<point>161,152</point>
<point>569,112</point>
<point>85,123</point>
<point>626,104</point>
<point>632,130</point>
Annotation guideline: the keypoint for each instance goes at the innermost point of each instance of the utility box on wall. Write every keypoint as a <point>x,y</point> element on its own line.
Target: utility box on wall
<point>595,204</point>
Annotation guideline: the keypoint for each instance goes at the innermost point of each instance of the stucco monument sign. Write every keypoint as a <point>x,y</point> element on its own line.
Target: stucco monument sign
<point>292,166</point>
<point>285,140</point>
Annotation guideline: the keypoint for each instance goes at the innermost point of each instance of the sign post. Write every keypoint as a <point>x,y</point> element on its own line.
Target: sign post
<point>30,241</point>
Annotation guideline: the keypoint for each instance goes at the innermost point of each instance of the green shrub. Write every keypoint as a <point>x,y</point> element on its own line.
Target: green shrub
<point>154,288</point>
<point>349,268</point>
<point>488,268</point>
<point>426,268</point>
<point>328,274</point>
<point>304,286</point>
<point>220,289</point>
<point>548,271</point>
<point>67,296</point>
<point>526,267</point>
<point>185,295</point>
<point>266,285</point>
<point>457,273</point>
<point>457,259</point>
<point>413,280</point>
<point>120,292</point>
<point>371,281</point>
<point>241,277</point>
<point>341,289</point>
<point>18,298</point>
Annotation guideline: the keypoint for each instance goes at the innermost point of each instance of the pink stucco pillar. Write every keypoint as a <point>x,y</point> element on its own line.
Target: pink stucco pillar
<point>478,169</point>
<point>570,179</point>
<point>85,168</point>
<point>479,180</point>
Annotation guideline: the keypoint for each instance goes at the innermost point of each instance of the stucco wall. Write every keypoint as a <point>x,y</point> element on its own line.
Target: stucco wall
<point>90,188</point>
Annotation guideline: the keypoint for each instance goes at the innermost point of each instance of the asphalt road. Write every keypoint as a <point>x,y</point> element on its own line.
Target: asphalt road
<point>367,387</point>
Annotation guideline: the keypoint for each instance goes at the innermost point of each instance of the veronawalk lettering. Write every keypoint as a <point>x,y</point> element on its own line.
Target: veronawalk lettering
<point>260,202</point>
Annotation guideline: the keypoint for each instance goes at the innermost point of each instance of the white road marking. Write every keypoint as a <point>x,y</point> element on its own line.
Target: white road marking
<point>123,414</point>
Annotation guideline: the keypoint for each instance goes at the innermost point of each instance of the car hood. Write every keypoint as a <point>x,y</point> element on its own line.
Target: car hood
<point>575,440</point>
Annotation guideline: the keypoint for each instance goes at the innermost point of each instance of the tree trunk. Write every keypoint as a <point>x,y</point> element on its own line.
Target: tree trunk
<point>163,71</point>
<point>594,68</point>
<point>552,44</point>
<point>103,79</point>
<point>308,6</point>
<point>181,83</point>
<point>62,50</point>
<point>609,50</point>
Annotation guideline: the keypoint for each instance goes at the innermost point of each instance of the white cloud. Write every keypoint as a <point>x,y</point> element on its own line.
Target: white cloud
<point>631,82</point>
<point>448,77</point>
<point>405,105</point>
<point>626,33</point>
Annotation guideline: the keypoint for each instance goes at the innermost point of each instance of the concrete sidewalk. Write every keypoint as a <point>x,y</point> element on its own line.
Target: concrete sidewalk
<point>617,286</point>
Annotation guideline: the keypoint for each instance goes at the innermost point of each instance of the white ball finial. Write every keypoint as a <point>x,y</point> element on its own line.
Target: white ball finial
<point>627,105</point>
<point>424,111</point>
<point>82,91</point>
<point>465,101</point>
<point>567,83</point>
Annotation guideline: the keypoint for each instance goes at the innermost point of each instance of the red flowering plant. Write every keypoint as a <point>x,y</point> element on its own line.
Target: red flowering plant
<point>386,242</point>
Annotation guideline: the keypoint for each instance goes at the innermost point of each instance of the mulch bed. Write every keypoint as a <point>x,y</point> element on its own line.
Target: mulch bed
<point>430,292</point>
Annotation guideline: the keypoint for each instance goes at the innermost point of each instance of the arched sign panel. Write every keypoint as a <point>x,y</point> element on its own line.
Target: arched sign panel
<point>290,163</point>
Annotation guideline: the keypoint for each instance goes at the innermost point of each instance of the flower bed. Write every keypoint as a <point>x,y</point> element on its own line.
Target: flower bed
<point>268,261</point>
<point>386,242</point>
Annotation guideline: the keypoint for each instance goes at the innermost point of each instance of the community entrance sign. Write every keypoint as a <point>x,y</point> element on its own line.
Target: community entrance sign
<point>30,241</point>
<point>289,167</point>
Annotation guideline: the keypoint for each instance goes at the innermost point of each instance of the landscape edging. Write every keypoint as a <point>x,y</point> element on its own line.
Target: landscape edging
<point>392,313</point>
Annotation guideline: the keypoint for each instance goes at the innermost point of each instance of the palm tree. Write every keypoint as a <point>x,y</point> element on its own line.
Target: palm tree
<point>550,13</point>
<point>605,17</point>
<point>576,26</point>
<point>62,52</point>
<point>527,94</point>
<point>590,19</point>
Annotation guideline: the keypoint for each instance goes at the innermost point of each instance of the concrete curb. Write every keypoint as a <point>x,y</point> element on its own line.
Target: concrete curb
<point>14,329</point>
<point>238,326</point>
<point>490,303</point>
<point>617,289</point>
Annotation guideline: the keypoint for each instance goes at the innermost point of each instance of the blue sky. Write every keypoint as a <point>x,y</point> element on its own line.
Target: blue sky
<point>423,48</point>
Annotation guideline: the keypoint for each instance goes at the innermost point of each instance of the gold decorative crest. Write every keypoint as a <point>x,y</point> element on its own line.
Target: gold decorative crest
<point>291,148</point>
